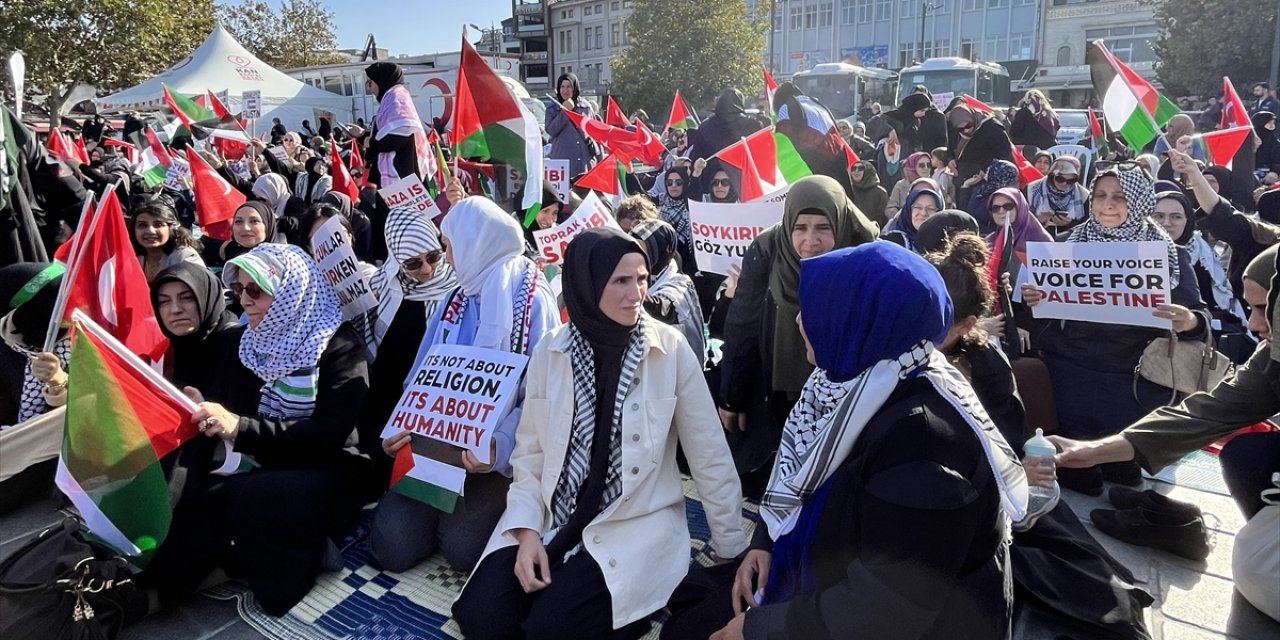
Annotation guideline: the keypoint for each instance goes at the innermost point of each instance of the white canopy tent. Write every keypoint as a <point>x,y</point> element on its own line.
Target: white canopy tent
<point>222,65</point>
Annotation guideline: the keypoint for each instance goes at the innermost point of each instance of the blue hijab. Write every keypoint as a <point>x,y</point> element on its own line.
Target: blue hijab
<point>870,303</point>
<point>900,230</point>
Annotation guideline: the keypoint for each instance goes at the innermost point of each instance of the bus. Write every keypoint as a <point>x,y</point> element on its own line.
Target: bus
<point>948,78</point>
<point>843,87</point>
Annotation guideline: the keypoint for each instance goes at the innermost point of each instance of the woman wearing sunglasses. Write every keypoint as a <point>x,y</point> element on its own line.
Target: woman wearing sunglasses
<point>975,140</point>
<point>1015,227</point>
<point>1057,199</point>
<point>309,478</point>
<point>501,302</point>
<point>720,188</point>
<point>1092,365</point>
<point>673,207</point>
<point>918,166</point>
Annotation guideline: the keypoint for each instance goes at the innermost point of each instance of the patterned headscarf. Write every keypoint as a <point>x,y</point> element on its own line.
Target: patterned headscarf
<point>1000,174</point>
<point>409,234</point>
<point>303,316</point>
<point>1139,193</point>
<point>274,190</point>
<point>488,258</point>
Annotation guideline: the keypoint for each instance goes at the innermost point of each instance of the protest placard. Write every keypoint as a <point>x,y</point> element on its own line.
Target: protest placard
<point>943,100</point>
<point>337,260</point>
<point>557,172</point>
<point>723,231</point>
<point>1110,282</point>
<point>458,396</point>
<point>174,177</point>
<point>410,192</point>
<point>590,214</point>
<point>279,153</point>
<point>251,104</point>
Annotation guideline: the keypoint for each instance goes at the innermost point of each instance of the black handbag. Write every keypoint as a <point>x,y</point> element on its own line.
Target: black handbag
<point>59,587</point>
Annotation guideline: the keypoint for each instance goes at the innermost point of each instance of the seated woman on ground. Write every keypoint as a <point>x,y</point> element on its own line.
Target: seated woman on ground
<point>594,538</point>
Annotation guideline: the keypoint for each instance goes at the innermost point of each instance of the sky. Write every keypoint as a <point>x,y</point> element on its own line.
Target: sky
<point>413,27</point>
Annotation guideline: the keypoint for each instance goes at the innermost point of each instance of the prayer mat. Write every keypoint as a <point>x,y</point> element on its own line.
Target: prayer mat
<point>1197,470</point>
<point>361,601</point>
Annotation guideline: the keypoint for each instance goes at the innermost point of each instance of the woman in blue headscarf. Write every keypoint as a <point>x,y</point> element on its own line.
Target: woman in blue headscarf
<point>885,516</point>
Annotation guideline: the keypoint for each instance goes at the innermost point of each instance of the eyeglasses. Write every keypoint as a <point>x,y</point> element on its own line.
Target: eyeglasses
<point>240,290</point>
<point>415,263</point>
<point>1065,180</point>
<point>997,208</point>
<point>1111,165</point>
<point>925,209</point>
<point>923,165</point>
<point>675,183</point>
<point>718,182</point>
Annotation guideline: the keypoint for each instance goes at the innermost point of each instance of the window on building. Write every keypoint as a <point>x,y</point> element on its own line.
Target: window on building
<point>884,9</point>
<point>615,34</point>
<point>908,9</point>
<point>811,16</point>
<point>995,48</point>
<point>626,40</point>
<point>997,4</point>
<point>777,19</point>
<point>1064,56</point>
<point>941,47</point>
<point>797,18</point>
<point>846,12</point>
<point>568,39</point>
<point>614,5</point>
<point>1129,44</point>
<point>864,11</point>
<point>966,49</point>
<point>600,36</point>
<point>599,9</point>
<point>626,4</point>
<point>1020,46</point>
<point>972,5</point>
<point>906,54</point>
<point>826,14</point>
<point>587,40</point>
<point>1023,3</point>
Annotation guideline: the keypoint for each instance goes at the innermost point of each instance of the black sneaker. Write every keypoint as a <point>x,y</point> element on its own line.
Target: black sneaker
<point>1124,498</point>
<point>1128,474</point>
<point>1086,481</point>
<point>1184,537</point>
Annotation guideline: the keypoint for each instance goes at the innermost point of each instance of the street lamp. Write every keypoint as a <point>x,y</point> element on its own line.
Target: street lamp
<point>924,11</point>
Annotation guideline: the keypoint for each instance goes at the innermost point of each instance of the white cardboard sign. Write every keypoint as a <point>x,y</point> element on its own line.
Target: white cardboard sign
<point>337,260</point>
<point>591,213</point>
<point>1109,282</point>
<point>409,191</point>
<point>722,232</point>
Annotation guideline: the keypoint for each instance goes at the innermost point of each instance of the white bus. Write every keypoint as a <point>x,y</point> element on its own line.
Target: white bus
<point>947,78</point>
<point>844,87</point>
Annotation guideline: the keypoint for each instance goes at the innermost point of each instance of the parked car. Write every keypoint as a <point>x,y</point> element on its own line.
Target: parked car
<point>1073,125</point>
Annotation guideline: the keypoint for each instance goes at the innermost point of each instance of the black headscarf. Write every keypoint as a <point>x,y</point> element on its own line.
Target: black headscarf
<point>385,75</point>
<point>941,226</point>
<point>1226,185</point>
<point>589,261</point>
<point>1269,206</point>
<point>268,218</point>
<point>577,89</point>
<point>1188,209</point>
<point>325,130</point>
<point>730,104</point>
<point>31,315</point>
<point>210,301</point>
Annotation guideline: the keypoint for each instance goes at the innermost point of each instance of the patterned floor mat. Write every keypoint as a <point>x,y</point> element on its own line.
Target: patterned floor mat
<point>363,602</point>
<point>1198,470</point>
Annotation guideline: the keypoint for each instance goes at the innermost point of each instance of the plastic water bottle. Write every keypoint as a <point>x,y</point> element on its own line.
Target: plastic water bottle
<point>1040,452</point>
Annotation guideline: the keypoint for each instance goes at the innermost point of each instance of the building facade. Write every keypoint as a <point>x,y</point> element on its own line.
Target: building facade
<point>585,37</point>
<point>1127,26</point>
<point>896,33</point>
<point>529,28</point>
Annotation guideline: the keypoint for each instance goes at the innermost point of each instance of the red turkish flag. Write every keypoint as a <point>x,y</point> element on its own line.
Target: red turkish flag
<point>216,200</point>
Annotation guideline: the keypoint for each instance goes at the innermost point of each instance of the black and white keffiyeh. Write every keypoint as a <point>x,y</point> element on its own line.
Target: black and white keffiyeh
<point>409,234</point>
<point>1140,194</point>
<point>674,289</point>
<point>577,462</point>
<point>825,424</point>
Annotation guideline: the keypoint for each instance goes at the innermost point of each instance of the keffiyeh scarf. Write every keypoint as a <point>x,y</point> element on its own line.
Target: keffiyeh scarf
<point>409,234</point>
<point>284,349</point>
<point>1138,227</point>
<point>32,402</point>
<point>675,212</point>
<point>577,462</point>
<point>673,289</point>
<point>1206,258</point>
<point>825,424</point>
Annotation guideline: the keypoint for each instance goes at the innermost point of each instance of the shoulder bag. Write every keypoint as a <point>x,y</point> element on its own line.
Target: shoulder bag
<point>1181,366</point>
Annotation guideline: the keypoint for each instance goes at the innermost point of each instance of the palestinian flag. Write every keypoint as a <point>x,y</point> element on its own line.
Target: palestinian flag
<point>122,418</point>
<point>770,88</point>
<point>479,178</point>
<point>1220,147</point>
<point>215,105</point>
<point>1098,136</point>
<point>129,151</point>
<point>609,177</point>
<point>1133,107</point>
<point>186,109</point>
<point>770,155</point>
<point>1233,111</point>
<point>492,124</point>
<point>682,116</point>
<point>613,113</point>
<point>425,479</point>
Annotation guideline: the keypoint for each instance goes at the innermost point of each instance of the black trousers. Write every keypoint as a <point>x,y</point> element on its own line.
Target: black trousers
<point>577,604</point>
<point>1247,464</point>
<point>267,526</point>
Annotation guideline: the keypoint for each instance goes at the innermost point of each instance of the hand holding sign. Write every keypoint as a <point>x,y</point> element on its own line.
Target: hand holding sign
<point>590,214</point>
<point>1111,282</point>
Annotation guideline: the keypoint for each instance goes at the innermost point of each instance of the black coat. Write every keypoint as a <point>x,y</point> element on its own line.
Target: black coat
<point>1025,130</point>
<point>909,543</point>
<point>989,142</point>
<point>933,130</point>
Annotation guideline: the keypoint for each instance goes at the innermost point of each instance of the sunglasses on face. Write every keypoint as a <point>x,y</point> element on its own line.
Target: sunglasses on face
<point>997,208</point>
<point>718,182</point>
<point>923,165</point>
<point>1065,180</point>
<point>675,183</point>
<point>967,127</point>
<point>252,290</point>
<point>415,263</point>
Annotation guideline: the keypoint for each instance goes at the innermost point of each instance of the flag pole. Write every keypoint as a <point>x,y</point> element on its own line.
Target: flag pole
<point>88,216</point>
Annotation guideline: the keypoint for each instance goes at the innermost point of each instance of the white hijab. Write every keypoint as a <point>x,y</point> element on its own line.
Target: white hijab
<point>274,189</point>
<point>488,260</point>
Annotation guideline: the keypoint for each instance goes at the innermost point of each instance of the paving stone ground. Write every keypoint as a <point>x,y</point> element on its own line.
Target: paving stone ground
<point>1194,601</point>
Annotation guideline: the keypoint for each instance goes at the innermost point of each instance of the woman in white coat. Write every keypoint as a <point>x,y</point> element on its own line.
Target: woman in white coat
<point>594,538</point>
